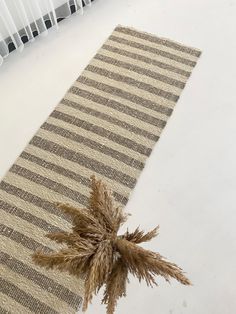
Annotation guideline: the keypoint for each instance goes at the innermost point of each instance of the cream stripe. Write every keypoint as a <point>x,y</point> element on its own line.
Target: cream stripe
<point>121,100</point>
<point>139,77</point>
<point>151,55</point>
<point>37,211</point>
<point>115,164</point>
<point>38,190</point>
<point>98,138</point>
<point>23,254</point>
<point>11,305</point>
<point>30,230</point>
<point>130,89</point>
<point>87,162</point>
<point>70,174</point>
<point>134,67</point>
<point>159,40</point>
<point>106,125</point>
<point>139,104</point>
<point>153,59</point>
<point>65,295</point>
<point>36,221</point>
<point>52,185</point>
<point>120,188</point>
<point>47,173</point>
<point>134,82</point>
<point>28,286</point>
<point>132,120</point>
<point>142,64</point>
<point>95,145</point>
<point>87,173</point>
<point>156,45</point>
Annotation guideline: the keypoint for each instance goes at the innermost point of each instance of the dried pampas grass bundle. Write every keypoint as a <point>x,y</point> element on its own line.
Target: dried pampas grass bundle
<point>95,251</point>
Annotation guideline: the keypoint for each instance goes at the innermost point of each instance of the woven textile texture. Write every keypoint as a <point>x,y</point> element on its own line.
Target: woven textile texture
<point>106,125</point>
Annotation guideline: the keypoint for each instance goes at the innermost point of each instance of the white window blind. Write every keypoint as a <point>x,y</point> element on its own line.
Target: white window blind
<point>22,20</point>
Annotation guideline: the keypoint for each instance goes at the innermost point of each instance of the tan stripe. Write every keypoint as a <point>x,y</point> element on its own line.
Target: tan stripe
<point>117,51</point>
<point>23,254</point>
<point>47,284</point>
<point>130,69</point>
<point>72,166</point>
<point>20,213</point>
<point>31,241</point>
<point>109,121</point>
<point>112,55</point>
<point>93,161</point>
<point>10,305</point>
<point>124,91</point>
<point>157,91</point>
<point>154,49</point>
<point>141,49</point>
<point>66,107</point>
<point>119,94</point>
<point>51,184</point>
<point>84,161</point>
<point>38,190</point>
<point>2,310</point>
<point>24,298</point>
<point>157,42</point>
<point>19,225</point>
<point>109,143</point>
<point>65,172</point>
<point>38,212</point>
<point>49,174</point>
<point>121,148</point>
<point>28,287</point>
<point>126,100</point>
<point>91,96</point>
<point>87,92</point>
<point>13,189</point>
<point>96,146</point>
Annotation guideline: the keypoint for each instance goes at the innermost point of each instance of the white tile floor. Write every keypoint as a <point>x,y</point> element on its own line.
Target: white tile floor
<point>189,183</point>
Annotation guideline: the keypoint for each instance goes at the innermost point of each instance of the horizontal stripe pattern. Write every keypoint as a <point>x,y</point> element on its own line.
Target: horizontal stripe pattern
<point>131,82</point>
<point>11,189</point>
<point>41,280</point>
<point>123,141</point>
<point>67,173</point>
<point>154,39</point>
<point>90,163</point>
<point>131,67</point>
<point>118,106</point>
<point>29,286</point>
<point>19,237</point>
<point>27,300</point>
<point>113,120</point>
<point>107,125</point>
<point>139,57</point>
<point>124,95</point>
<point>154,50</point>
<point>18,212</point>
<point>49,184</point>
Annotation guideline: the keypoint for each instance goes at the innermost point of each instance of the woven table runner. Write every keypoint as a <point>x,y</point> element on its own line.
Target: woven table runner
<point>106,125</point>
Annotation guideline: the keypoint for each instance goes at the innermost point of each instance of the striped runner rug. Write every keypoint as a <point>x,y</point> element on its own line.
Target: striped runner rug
<point>106,125</point>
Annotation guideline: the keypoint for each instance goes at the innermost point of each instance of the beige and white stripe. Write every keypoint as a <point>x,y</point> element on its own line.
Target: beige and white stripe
<point>106,124</point>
